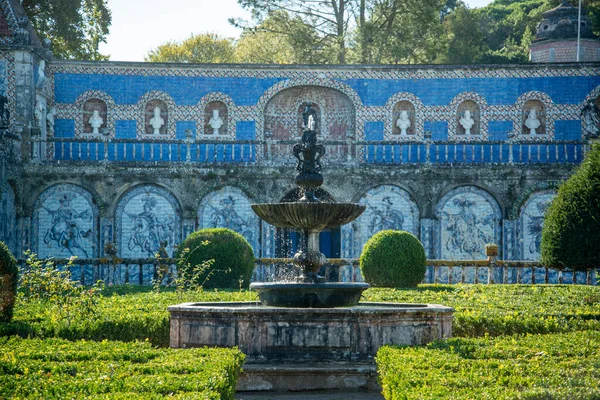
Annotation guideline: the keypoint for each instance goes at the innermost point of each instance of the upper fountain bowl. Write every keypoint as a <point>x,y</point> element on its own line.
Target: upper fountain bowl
<point>310,216</point>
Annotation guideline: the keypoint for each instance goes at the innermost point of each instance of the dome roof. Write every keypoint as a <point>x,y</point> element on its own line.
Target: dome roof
<point>561,23</point>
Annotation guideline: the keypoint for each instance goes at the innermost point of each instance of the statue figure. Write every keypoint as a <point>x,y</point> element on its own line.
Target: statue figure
<point>157,121</point>
<point>95,121</point>
<point>532,122</point>
<point>41,74</point>
<point>467,122</point>
<point>38,113</point>
<point>50,120</point>
<point>403,123</point>
<point>216,122</point>
<point>309,153</point>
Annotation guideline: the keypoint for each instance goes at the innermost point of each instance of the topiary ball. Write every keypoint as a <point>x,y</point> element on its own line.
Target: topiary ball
<point>393,259</point>
<point>232,254</point>
<point>9,275</point>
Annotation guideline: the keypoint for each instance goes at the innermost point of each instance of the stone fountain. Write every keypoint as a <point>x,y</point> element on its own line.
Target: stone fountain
<point>310,216</point>
<point>308,334</point>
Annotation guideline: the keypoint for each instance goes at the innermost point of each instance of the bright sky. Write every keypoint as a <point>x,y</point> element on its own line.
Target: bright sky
<point>139,26</point>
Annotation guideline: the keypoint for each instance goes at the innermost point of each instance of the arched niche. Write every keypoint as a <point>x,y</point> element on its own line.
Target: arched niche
<point>533,110</point>
<point>216,118</point>
<point>89,106</point>
<point>531,221</point>
<point>404,109</point>
<point>65,223</point>
<point>468,113</point>
<point>147,216</point>
<point>230,208</point>
<point>8,218</point>
<point>300,117</point>
<point>388,207</point>
<point>468,219</point>
<point>158,108</point>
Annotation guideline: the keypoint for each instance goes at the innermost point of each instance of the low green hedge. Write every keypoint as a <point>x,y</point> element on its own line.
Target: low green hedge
<point>9,276</point>
<point>557,366</point>
<point>56,368</point>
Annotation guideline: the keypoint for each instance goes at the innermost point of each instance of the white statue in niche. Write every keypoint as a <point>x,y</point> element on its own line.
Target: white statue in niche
<point>532,122</point>
<point>157,121</point>
<point>50,120</point>
<point>467,122</point>
<point>95,121</point>
<point>216,122</point>
<point>403,123</point>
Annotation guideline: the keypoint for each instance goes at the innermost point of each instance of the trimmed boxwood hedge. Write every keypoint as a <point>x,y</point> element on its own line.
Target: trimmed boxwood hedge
<point>393,259</point>
<point>230,256</point>
<point>9,275</point>
<point>571,231</point>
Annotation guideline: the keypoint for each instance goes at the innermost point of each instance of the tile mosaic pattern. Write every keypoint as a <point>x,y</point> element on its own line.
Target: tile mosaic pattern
<point>230,208</point>
<point>11,20</point>
<point>468,219</point>
<point>531,222</point>
<point>65,223</point>
<point>147,216</point>
<point>388,207</point>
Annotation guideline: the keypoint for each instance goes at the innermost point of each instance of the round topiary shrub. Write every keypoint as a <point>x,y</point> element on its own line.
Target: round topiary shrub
<point>393,259</point>
<point>9,274</point>
<point>215,258</point>
<point>571,231</point>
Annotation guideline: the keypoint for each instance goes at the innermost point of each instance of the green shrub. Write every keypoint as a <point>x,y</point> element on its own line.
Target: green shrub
<point>571,230</point>
<point>215,258</point>
<point>556,366</point>
<point>393,259</point>
<point>56,368</point>
<point>9,275</point>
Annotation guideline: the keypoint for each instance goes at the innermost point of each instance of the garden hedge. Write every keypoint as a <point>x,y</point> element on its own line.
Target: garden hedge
<point>393,259</point>
<point>9,275</point>
<point>230,255</point>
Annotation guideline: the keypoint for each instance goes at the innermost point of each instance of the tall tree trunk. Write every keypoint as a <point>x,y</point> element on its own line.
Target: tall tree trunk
<point>339,11</point>
<point>364,49</point>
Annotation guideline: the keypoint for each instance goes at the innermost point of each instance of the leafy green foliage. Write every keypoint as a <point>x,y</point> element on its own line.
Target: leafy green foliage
<point>203,48</point>
<point>558,366</point>
<point>393,259</point>
<point>56,368</point>
<point>571,230</point>
<point>230,256</point>
<point>9,275</point>
<point>506,309</point>
<point>76,27</point>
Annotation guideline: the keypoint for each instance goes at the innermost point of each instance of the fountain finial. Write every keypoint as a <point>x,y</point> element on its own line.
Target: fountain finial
<point>309,154</point>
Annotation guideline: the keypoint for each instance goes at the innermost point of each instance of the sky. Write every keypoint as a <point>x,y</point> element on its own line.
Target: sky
<point>139,26</point>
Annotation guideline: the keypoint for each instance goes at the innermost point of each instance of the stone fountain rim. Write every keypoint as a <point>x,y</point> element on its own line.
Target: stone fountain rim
<point>256,307</point>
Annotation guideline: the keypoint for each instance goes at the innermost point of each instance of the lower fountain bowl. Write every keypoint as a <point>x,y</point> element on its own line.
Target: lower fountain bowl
<point>309,295</point>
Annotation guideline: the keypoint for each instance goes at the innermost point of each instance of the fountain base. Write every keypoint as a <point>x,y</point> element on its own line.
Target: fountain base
<point>309,295</point>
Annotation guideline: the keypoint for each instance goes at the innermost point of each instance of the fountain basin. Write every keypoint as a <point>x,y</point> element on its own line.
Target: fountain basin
<point>308,216</point>
<point>309,295</point>
<point>296,335</point>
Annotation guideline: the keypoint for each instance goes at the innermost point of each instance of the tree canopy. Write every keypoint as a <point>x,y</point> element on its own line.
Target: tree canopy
<point>76,27</point>
<point>203,48</point>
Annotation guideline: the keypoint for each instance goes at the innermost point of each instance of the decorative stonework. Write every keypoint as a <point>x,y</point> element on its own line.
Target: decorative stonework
<point>228,113</point>
<point>230,208</point>
<point>410,103</point>
<point>531,222</point>
<point>388,207</point>
<point>469,218</point>
<point>81,112</point>
<point>11,21</point>
<point>590,114</point>
<point>8,82</point>
<point>8,217</point>
<point>478,108</point>
<point>545,113</point>
<point>146,216</point>
<point>65,223</point>
<point>146,105</point>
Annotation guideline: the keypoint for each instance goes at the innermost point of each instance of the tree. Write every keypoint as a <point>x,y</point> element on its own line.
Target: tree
<point>282,40</point>
<point>466,42</point>
<point>203,48</point>
<point>571,230</point>
<point>76,27</point>
<point>329,19</point>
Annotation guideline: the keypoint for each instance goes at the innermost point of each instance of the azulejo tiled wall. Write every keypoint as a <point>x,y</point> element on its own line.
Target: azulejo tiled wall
<point>8,217</point>
<point>230,208</point>
<point>531,222</point>
<point>148,218</point>
<point>350,99</point>
<point>65,223</point>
